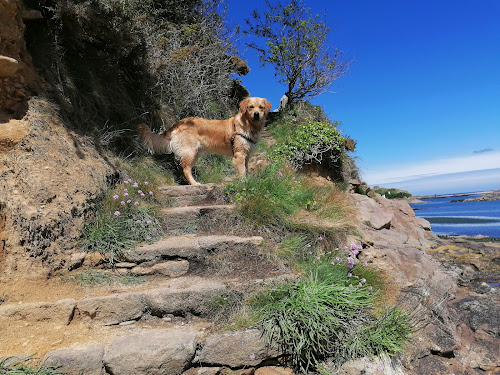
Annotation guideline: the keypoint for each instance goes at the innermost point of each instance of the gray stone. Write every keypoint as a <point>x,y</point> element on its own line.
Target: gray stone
<point>155,352</point>
<point>173,268</point>
<point>58,312</point>
<point>237,349</point>
<point>112,309</point>
<point>187,295</point>
<point>79,360</point>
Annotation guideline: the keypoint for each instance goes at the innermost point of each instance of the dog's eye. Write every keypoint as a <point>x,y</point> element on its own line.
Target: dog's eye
<point>261,107</point>
<point>251,106</point>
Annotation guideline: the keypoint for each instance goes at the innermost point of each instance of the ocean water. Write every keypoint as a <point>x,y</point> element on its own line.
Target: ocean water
<point>461,218</point>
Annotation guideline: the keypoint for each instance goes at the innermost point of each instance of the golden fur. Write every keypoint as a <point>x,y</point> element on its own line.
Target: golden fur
<point>192,136</point>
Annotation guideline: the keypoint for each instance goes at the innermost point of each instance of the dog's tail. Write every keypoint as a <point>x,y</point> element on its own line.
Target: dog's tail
<point>156,143</point>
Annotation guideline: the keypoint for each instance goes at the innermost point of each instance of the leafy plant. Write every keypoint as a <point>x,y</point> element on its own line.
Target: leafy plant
<point>310,142</point>
<point>393,193</point>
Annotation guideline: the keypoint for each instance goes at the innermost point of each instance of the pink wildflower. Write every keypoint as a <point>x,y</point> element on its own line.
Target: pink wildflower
<point>117,213</point>
<point>115,197</point>
<point>146,183</point>
<point>122,203</point>
<point>136,185</point>
<point>136,204</point>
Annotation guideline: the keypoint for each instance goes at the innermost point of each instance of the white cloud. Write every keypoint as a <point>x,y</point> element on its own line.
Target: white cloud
<point>476,162</point>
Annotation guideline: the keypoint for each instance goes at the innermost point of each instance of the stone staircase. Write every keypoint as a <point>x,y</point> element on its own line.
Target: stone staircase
<point>161,327</point>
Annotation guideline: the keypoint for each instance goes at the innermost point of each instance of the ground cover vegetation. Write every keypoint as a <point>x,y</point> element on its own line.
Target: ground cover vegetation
<point>114,63</point>
<point>393,193</point>
<point>20,366</point>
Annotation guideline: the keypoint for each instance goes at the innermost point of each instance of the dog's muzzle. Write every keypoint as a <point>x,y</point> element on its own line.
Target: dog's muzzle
<point>256,116</point>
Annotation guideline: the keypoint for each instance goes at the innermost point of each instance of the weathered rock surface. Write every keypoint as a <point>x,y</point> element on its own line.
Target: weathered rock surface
<point>80,360</point>
<point>455,333</point>
<point>155,352</point>
<point>237,349</point>
<point>60,311</point>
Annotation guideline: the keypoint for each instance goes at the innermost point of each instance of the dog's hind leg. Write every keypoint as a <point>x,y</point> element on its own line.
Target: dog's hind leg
<point>187,162</point>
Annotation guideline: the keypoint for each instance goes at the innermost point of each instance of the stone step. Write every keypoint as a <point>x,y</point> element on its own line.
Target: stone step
<point>173,351</point>
<point>190,247</point>
<point>192,195</point>
<point>192,219</point>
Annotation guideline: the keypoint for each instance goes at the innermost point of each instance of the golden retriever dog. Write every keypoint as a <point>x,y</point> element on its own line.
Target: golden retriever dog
<point>193,136</point>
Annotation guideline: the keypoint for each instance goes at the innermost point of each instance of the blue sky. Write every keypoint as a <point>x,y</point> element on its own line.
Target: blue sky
<point>422,97</point>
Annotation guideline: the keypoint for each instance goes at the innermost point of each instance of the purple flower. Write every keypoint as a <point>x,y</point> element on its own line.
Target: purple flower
<point>318,258</point>
<point>363,281</point>
<point>332,263</point>
<point>122,203</point>
<point>136,185</point>
<point>280,174</point>
<point>151,193</point>
<point>125,190</point>
<point>252,357</point>
<point>139,191</point>
<point>115,196</point>
<point>320,238</point>
<point>137,222</point>
<point>117,213</point>
<point>128,201</point>
<point>148,222</point>
<point>146,183</point>
<point>125,194</point>
<point>136,204</point>
<point>380,367</point>
<point>125,182</point>
<point>337,259</point>
<point>349,274</point>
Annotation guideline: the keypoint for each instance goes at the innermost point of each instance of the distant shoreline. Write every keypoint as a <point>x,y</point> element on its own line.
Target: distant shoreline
<point>491,195</point>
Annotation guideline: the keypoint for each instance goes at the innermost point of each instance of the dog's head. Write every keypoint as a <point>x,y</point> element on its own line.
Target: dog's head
<point>256,109</point>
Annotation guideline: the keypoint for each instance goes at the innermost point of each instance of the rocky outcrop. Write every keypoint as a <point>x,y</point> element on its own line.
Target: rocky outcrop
<point>17,75</point>
<point>455,332</point>
<point>51,179</point>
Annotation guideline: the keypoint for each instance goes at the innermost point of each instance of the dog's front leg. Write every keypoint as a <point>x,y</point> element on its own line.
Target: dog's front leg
<point>240,163</point>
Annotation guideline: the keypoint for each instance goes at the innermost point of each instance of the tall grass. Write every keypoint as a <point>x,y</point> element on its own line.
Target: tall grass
<point>307,317</point>
<point>271,195</point>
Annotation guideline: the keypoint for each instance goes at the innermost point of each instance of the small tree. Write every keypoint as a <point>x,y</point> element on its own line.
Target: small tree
<point>296,46</point>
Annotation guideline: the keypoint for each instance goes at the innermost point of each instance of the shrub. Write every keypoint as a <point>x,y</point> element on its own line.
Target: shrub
<point>309,142</point>
<point>393,193</point>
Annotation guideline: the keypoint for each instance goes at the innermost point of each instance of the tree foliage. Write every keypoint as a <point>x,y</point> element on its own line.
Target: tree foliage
<point>296,44</point>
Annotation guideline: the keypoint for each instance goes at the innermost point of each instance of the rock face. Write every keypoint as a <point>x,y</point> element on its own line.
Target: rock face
<point>50,181</point>
<point>455,332</point>
<point>17,75</point>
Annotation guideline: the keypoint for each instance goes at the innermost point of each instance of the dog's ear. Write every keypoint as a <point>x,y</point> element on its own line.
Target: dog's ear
<point>244,105</point>
<point>267,106</point>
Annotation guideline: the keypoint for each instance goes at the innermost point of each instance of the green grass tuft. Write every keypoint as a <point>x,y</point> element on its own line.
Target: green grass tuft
<point>18,366</point>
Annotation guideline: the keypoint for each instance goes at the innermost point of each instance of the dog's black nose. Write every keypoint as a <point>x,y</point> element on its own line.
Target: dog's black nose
<point>256,116</point>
